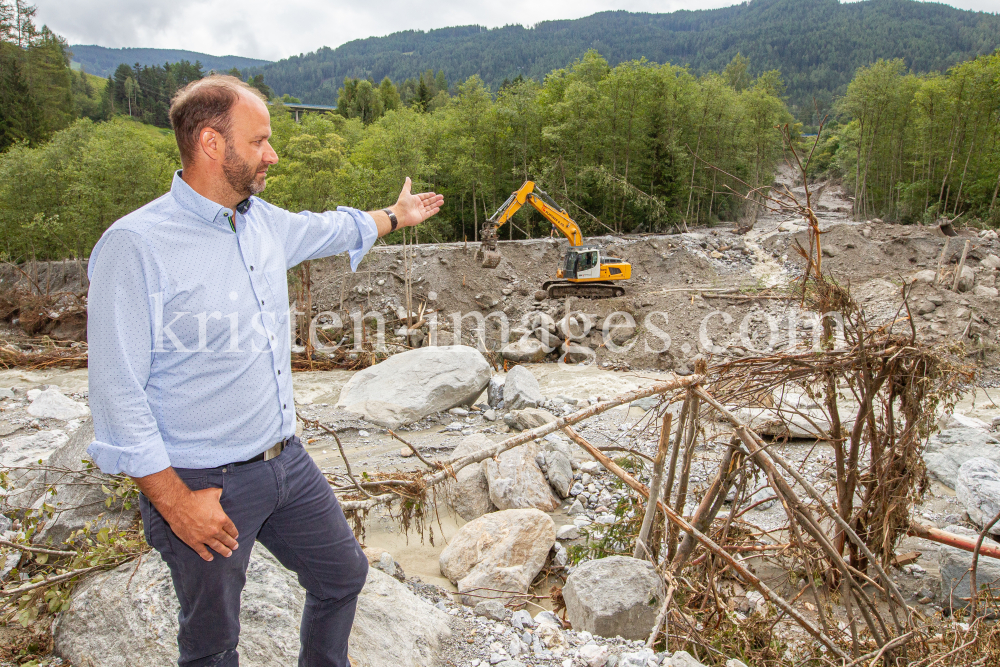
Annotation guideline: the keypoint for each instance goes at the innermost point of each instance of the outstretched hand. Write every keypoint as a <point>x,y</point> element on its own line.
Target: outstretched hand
<point>411,209</point>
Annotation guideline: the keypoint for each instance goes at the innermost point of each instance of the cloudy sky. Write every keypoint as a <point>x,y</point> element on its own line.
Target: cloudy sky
<point>274,29</point>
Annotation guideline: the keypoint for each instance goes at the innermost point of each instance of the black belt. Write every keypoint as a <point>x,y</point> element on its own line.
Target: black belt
<point>267,454</point>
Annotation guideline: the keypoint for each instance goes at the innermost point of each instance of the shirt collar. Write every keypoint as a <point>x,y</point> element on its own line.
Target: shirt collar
<point>204,208</point>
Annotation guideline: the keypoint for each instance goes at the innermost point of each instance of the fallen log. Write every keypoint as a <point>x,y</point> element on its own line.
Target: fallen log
<point>928,532</point>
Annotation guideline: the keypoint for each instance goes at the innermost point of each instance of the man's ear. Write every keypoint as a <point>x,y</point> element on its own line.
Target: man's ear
<point>212,144</point>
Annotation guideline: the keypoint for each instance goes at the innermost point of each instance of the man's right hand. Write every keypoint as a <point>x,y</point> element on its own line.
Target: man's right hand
<point>196,517</point>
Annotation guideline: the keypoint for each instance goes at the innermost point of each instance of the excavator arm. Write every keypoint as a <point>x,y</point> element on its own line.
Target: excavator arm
<point>543,203</point>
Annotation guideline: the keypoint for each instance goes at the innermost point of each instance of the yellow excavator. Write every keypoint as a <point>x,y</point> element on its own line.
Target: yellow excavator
<point>584,273</point>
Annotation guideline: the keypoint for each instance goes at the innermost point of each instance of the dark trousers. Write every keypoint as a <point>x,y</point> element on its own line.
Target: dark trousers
<point>288,506</point>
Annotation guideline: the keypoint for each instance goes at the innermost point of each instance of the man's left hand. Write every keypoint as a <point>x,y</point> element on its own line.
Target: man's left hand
<point>411,209</point>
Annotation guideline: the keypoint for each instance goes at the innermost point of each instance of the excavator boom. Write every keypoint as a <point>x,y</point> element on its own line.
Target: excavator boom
<point>528,193</point>
<point>585,272</point>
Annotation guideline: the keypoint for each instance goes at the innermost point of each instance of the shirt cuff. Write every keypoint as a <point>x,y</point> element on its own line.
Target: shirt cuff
<point>145,458</point>
<point>367,234</point>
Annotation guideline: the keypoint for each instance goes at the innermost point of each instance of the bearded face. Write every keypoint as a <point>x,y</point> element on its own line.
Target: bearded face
<point>246,178</point>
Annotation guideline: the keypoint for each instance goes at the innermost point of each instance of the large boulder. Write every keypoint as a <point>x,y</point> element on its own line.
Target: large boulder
<point>411,385</point>
<point>128,618</point>
<point>614,596</point>
<point>955,565</point>
<point>521,390</point>
<point>947,450</point>
<point>498,552</point>
<point>515,480</point>
<point>21,455</point>
<point>469,494</point>
<point>79,498</point>
<point>977,487</point>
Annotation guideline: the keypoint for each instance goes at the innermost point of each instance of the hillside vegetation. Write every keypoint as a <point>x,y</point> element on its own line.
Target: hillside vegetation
<point>103,61</point>
<point>816,44</point>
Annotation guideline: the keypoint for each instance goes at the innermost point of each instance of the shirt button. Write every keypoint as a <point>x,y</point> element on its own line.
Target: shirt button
<point>251,268</point>
<point>262,302</point>
<point>272,337</point>
<point>279,372</point>
<point>284,405</point>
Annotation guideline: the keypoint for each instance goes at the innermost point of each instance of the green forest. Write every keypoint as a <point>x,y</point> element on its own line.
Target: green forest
<point>632,147</point>
<point>816,44</point>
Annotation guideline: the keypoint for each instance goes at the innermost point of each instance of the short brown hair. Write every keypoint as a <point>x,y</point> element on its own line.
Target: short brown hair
<point>205,103</point>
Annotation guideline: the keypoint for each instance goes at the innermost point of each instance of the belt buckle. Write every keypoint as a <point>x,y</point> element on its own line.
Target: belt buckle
<point>274,451</point>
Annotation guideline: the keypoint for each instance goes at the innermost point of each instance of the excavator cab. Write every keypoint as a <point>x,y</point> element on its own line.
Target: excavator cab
<point>582,263</point>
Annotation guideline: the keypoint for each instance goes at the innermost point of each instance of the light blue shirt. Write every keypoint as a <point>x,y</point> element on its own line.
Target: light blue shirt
<point>189,330</point>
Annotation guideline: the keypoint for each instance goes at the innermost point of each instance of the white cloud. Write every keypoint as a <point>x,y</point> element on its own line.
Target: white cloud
<point>273,30</point>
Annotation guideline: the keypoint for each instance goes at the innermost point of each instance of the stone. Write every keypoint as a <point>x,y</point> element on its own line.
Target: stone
<point>492,609</point>
<point>522,619</point>
<point>987,292</point>
<point>530,418</point>
<point>383,560</point>
<point>26,451</point>
<point>576,508</point>
<point>991,261</point>
<point>594,655</point>
<point>521,390</point>
<point>684,659</point>
<point>501,551</point>
<point>560,470</point>
<point>614,596</point>
<point>516,482</point>
<point>954,566</point>
<point>733,662</point>
<point>490,415</point>
<point>52,404</point>
<point>411,385</point>
<point>967,280</point>
<point>947,450</point>
<point>977,487</point>
<point>494,391</point>
<point>642,658</point>
<point>6,392</point>
<point>526,350</point>
<point>127,617</point>
<point>926,276</point>
<point>645,404</point>
<point>79,498</point>
<point>568,532</point>
<point>469,494</point>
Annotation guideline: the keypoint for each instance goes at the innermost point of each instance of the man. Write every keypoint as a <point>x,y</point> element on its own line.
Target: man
<point>190,376</point>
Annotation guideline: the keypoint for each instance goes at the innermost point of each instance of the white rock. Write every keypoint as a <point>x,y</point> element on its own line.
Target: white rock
<point>525,350</point>
<point>515,480</point>
<point>411,385</point>
<point>568,532</point>
<point>986,291</point>
<point>613,596</point>
<point>128,618</point>
<point>502,551</point>
<point>977,487</point>
<point>947,450</point>
<point>521,390</point>
<point>954,566</point>
<point>684,659</point>
<point>52,404</point>
<point>642,658</point>
<point>469,494</point>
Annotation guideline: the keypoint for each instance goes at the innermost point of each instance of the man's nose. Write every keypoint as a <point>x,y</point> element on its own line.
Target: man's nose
<point>270,156</point>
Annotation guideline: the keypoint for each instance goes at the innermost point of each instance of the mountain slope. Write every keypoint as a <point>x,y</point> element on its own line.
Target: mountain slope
<point>817,45</point>
<point>102,61</point>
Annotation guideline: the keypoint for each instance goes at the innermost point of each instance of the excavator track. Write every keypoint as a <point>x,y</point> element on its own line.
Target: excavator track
<point>558,289</point>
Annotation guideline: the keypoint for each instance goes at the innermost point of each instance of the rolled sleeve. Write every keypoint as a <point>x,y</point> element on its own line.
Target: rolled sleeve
<point>120,342</point>
<point>310,235</point>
